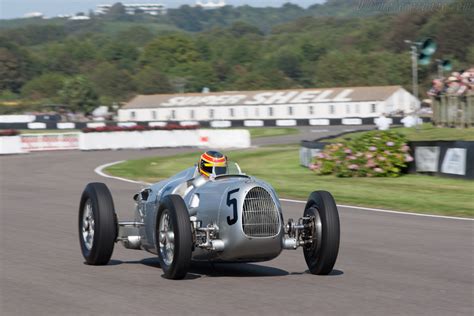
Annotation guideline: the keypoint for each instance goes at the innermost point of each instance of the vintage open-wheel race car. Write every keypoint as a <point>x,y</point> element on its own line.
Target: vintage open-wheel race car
<point>229,217</point>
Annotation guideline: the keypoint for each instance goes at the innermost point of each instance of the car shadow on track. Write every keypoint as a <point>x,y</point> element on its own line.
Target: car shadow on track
<point>199,269</point>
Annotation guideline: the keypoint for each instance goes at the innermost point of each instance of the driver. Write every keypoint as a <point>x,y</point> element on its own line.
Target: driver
<point>212,160</point>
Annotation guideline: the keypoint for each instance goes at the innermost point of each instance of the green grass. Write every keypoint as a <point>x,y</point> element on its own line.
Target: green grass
<point>426,132</point>
<point>280,167</point>
<point>271,132</point>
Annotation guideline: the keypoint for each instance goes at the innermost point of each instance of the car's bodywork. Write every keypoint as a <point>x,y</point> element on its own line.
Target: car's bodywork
<point>245,212</point>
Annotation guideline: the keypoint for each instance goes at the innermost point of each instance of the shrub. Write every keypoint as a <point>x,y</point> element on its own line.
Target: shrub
<point>9,132</point>
<point>374,154</point>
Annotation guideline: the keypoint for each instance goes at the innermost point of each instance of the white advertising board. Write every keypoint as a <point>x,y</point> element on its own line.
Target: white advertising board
<point>426,158</point>
<point>46,142</point>
<point>454,161</point>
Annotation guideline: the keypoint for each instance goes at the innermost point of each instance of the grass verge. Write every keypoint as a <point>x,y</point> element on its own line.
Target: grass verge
<point>426,132</point>
<point>271,132</point>
<point>280,167</point>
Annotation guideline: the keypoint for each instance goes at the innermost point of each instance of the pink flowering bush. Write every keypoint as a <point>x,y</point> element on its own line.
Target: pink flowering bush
<point>374,154</point>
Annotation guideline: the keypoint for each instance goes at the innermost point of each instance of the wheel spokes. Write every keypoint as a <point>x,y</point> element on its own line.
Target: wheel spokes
<point>88,225</point>
<point>166,238</point>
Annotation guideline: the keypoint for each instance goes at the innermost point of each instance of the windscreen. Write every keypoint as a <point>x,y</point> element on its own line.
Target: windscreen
<point>232,169</point>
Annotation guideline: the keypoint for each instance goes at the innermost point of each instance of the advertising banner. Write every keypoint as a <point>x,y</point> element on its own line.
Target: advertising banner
<point>46,142</point>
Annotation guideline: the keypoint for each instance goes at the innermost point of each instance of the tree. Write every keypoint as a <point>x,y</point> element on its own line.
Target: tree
<point>353,68</point>
<point>121,53</point>
<point>68,57</point>
<point>45,86</point>
<point>188,18</point>
<point>258,79</point>
<point>239,29</point>
<point>16,66</point>
<point>137,36</point>
<point>169,51</point>
<point>470,55</point>
<point>78,93</point>
<point>150,80</point>
<point>198,75</point>
<point>289,61</point>
<point>110,81</point>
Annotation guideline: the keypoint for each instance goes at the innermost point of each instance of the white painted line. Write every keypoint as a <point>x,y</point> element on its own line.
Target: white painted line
<point>387,211</point>
<point>99,171</point>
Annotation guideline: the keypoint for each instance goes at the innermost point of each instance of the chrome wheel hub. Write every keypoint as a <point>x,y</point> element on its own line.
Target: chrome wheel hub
<point>88,225</point>
<point>317,232</point>
<point>166,238</point>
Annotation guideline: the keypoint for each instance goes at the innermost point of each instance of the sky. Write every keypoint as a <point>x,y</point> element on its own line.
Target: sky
<point>17,8</point>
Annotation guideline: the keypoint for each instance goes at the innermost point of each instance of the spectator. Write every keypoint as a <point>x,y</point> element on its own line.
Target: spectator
<point>453,86</point>
<point>382,122</point>
<point>437,89</point>
<point>457,84</point>
<point>411,120</point>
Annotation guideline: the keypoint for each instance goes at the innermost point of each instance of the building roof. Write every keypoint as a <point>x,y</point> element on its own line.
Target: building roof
<point>264,97</point>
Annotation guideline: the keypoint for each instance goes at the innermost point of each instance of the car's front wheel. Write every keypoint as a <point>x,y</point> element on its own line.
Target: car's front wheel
<point>97,224</point>
<point>321,253</point>
<point>174,237</point>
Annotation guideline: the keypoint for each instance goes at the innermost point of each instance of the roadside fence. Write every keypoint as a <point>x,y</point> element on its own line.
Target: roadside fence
<point>453,111</point>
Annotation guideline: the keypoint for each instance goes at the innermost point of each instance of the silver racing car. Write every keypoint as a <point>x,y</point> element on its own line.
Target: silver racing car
<point>229,217</point>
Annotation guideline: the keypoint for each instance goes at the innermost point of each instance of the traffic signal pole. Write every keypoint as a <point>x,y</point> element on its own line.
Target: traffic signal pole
<point>414,71</point>
<point>414,65</point>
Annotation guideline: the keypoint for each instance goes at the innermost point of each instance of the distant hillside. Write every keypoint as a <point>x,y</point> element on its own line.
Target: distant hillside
<point>196,19</point>
<point>109,59</point>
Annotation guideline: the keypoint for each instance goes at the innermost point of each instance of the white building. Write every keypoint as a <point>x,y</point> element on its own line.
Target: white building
<point>79,18</point>
<point>147,8</point>
<point>211,4</point>
<point>30,15</point>
<point>357,102</point>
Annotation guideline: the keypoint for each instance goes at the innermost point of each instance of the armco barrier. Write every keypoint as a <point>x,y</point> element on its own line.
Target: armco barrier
<point>173,138</point>
<point>10,145</point>
<point>206,138</point>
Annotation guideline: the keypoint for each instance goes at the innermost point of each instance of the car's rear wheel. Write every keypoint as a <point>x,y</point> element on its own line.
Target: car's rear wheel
<point>97,224</point>
<point>321,254</point>
<point>173,237</point>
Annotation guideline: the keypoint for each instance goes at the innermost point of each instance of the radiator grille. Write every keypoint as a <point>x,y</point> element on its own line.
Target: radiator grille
<point>260,214</point>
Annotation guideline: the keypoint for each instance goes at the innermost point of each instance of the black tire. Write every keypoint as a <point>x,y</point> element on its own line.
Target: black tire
<point>98,249</point>
<point>321,256</point>
<point>174,206</point>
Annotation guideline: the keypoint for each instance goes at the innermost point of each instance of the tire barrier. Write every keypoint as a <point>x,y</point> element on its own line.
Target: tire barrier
<point>212,124</point>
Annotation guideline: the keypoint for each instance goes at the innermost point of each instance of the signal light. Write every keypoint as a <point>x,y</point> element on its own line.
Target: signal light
<point>424,59</point>
<point>447,65</point>
<point>428,47</point>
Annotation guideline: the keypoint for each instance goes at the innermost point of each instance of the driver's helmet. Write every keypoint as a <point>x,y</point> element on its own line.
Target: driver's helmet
<point>212,160</point>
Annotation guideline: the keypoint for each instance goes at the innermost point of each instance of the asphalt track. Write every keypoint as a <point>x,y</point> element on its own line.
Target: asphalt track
<point>388,263</point>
